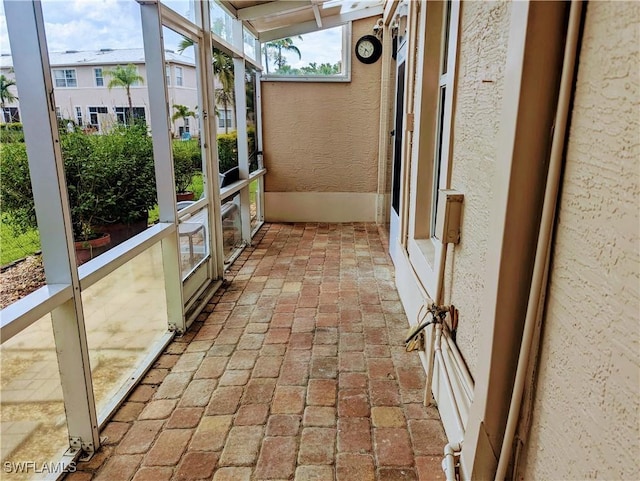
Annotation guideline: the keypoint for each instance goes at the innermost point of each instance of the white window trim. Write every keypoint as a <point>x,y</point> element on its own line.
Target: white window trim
<point>225,117</point>
<point>167,74</point>
<point>179,72</point>
<point>426,253</point>
<point>346,62</point>
<point>95,77</point>
<point>55,79</point>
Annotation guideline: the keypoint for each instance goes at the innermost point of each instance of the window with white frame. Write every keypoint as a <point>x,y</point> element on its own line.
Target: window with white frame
<point>10,114</point>
<point>167,74</point>
<point>79,116</point>
<point>319,56</point>
<point>65,77</point>
<point>58,113</point>
<point>186,124</point>
<point>178,76</point>
<point>122,114</point>
<point>95,113</point>
<point>225,119</point>
<point>431,152</point>
<point>98,77</point>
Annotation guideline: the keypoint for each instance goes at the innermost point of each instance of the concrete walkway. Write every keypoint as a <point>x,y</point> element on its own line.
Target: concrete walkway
<point>296,371</point>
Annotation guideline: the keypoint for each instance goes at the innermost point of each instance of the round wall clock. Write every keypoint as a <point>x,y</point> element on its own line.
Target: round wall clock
<point>368,49</point>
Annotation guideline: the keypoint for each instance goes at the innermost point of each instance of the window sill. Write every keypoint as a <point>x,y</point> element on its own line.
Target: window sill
<point>316,78</point>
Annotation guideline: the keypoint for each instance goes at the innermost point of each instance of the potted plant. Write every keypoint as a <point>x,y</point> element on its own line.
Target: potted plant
<point>110,182</point>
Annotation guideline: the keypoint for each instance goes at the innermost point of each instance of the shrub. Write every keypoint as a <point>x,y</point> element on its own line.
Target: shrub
<point>227,151</point>
<point>11,132</point>
<point>15,189</point>
<point>110,179</point>
<point>187,160</point>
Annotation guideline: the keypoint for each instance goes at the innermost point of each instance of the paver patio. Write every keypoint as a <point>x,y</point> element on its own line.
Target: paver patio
<point>296,370</point>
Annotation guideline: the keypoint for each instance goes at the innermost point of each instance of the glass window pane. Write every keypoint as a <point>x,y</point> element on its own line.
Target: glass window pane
<point>254,203</point>
<point>185,8</point>
<point>221,22</point>
<point>109,165</point>
<point>316,54</point>
<point>225,111</point>
<point>125,315</point>
<point>438,158</point>
<point>231,225</point>
<point>250,80</point>
<point>33,422</point>
<point>445,40</point>
<point>189,172</point>
<point>194,239</point>
<point>249,44</point>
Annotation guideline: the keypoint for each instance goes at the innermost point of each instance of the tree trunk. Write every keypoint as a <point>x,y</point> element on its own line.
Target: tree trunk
<point>226,125</point>
<point>266,59</point>
<point>130,116</point>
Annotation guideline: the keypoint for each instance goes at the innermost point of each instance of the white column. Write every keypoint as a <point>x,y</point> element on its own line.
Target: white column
<point>163,159</point>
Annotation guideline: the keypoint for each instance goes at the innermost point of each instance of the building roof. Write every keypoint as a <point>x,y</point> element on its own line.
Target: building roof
<point>105,56</point>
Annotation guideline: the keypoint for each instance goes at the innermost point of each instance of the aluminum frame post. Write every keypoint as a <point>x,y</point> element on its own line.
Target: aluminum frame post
<point>25,24</point>
<point>163,160</point>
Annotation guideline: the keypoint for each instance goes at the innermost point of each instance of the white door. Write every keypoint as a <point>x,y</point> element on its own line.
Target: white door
<point>396,175</point>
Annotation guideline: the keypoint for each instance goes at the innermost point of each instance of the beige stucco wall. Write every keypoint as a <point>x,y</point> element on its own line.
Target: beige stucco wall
<point>484,30</point>
<point>323,136</point>
<point>586,421</point>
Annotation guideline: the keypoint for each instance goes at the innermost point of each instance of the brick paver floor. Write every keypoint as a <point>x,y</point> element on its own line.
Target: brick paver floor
<point>296,370</point>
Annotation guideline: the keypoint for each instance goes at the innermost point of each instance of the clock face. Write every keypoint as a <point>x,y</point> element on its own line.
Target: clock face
<point>368,49</point>
<point>365,49</point>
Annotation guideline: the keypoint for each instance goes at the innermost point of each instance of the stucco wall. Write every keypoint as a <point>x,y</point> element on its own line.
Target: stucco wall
<point>586,411</point>
<point>484,31</point>
<point>323,137</point>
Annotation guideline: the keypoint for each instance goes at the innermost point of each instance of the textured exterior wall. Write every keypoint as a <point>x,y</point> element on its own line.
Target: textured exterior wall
<point>484,31</point>
<point>323,137</point>
<point>586,421</point>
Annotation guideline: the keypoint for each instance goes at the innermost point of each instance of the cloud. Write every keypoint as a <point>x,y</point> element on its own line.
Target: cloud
<point>96,24</point>
<point>92,24</point>
<point>324,46</point>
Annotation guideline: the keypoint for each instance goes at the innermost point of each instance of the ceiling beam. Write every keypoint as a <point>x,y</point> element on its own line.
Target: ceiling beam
<point>316,13</point>
<point>230,9</point>
<point>327,22</point>
<point>271,8</point>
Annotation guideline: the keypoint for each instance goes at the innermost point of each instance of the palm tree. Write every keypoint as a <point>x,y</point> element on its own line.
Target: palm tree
<point>276,47</point>
<point>226,98</point>
<point>222,63</point>
<point>5,94</point>
<point>182,112</point>
<point>124,77</point>
<point>223,69</point>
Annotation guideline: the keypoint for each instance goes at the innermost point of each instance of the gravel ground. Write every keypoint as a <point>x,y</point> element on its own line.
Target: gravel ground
<point>20,279</point>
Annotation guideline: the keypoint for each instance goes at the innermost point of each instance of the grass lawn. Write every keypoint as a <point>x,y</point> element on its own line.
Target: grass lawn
<point>14,247</point>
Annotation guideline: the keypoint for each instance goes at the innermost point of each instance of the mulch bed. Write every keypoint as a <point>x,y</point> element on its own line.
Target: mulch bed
<point>20,278</point>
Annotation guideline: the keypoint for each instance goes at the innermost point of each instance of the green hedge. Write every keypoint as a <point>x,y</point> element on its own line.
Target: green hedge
<point>11,132</point>
<point>110,179</point>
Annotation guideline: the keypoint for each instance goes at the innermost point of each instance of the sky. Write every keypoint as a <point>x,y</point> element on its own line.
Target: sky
<point>96,24</point>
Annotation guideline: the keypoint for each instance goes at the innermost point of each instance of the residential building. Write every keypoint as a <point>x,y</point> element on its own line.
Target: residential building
<point>82,95</point>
